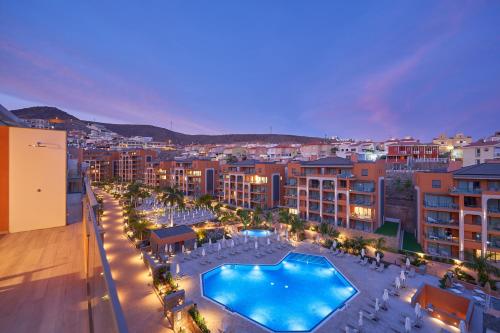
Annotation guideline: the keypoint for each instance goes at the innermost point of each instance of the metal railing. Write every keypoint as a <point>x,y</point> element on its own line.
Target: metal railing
<point>105,312</point>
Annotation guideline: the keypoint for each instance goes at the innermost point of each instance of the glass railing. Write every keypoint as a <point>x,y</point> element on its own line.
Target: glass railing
<point>465,190</point>
<point>493,209</point>
<point>435,204</point>
<point>433,236</point>
<point>364,187</point>
<point>432,220</point>
<point>362,202</point>
<point>104,306</point>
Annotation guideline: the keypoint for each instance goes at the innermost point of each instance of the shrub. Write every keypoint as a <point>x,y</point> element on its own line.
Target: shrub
<point>198,319</point>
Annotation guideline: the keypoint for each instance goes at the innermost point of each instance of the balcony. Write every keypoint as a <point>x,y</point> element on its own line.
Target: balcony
<point>291,182</point>
<point>448,205</point>
<point>362,202</point>
<point>313,197</point>
<point>361,216</point>
<point>432,220</point>
<point>314,208</point>
<point>444,238</point>
<point>345,175</point>
<point>363,187</point>
<point>329,198</point>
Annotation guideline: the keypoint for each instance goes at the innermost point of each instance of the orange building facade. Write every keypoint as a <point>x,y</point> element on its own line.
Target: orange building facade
<point>252,184</point>
<point>459,212</point>
<point>337,191</point>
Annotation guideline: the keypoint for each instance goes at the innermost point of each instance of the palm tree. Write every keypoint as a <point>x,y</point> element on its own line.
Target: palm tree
<point>483,268</point>
<point>269,217</point>
<point>379,245</point>
<point>284,216</point>
<point>225,217</point>
<point>245,218</point>
<point>323,229</point>
<point>359,243</point>
<point>204,200</point>
<point>134,192</point>
<point>172,196</point>
<point>297,225</point>
<point>333,233</point>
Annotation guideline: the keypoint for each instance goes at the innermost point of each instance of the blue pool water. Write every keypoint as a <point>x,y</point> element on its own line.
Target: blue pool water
<point>257,233</point>
<point>294,295</point>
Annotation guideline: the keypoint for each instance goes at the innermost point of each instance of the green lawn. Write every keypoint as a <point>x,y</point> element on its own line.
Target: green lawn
<point>388,229</point>
<point>410,243</point>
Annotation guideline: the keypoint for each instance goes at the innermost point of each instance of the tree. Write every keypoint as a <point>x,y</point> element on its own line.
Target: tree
<point>324,228</point>
<point>244,217</point>
<point>379,245</point>
<point>284,216</point>
<point>483,268</point>
<point>226,217</point>
<point>135,192</point>
<point>204,200</point>
<point>297,225</point>
<point>172,196</point>
<point>231,159</point>
<point>269,217</point>
<point>359,243</point>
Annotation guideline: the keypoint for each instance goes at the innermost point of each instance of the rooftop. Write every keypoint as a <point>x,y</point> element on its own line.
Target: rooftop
<point>172,231</point>
<point>484,170</point>
<point>328,161</point>
<point>250,163</point>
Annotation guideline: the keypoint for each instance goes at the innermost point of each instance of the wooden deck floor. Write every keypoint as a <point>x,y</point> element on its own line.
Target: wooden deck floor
<point>42,288</point>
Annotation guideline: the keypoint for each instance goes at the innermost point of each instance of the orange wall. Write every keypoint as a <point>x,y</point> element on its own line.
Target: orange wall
<point>4,179</point>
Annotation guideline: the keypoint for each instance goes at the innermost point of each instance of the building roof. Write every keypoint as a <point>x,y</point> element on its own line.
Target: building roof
<point>249,163</point>
<point>329,161</point>
<point>482,143</point>
<point>483,170</point>
<point>7,118</point>
<point>172,231</point>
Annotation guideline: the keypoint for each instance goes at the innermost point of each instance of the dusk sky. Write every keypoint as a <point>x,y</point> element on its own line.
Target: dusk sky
<point>362,69</point>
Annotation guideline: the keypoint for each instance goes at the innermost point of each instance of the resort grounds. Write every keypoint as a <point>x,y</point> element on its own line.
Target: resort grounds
<point>143,309</point>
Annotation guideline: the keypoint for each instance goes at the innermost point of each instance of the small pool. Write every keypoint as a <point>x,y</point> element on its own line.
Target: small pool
<point>256,233</point>
<point>295,295</point>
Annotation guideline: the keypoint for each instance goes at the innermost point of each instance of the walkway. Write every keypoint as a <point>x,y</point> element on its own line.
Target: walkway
<point>42,287</point>
<point>141,307</point>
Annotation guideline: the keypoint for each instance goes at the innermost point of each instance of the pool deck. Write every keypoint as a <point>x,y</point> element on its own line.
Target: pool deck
<point>369,283</point>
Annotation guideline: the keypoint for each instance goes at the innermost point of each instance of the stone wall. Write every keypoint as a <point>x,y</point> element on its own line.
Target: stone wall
<point>400,200</point>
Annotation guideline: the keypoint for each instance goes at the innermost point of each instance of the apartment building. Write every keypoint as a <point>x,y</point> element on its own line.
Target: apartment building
<point>482,151</point>
<point>158,173</point>
<point>131,164</point>
<point>337,190</point>
<point>459,212</point>
<point>100,164</point>
<point>452,145</point>
<point>404,151</point>
<point>195,176</point>
<point>251,184</point>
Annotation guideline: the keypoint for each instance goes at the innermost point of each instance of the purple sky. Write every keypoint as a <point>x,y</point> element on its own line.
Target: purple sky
<point>363,69</point>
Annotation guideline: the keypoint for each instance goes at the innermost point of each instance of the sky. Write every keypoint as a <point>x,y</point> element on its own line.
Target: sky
<point>354,69</point>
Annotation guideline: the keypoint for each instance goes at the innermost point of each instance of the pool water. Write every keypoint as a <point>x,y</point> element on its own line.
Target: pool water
<point>257,233</point>
<point>295,295</point>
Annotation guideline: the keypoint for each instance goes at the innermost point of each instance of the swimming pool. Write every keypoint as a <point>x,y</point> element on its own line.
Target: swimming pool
<point>295,295</point>
<point>256,233</point>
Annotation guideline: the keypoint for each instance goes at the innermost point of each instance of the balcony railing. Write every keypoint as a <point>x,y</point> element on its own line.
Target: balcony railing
<point>104,306</point>
<point>314,208</point>
<point>445,238</point>
<point>362,202</point>
<point>431,204</point>
<point>440,221</point>
<point>360,187</point>
<point>492,209</point>
<point>361,217</point>
<point>459,190</point>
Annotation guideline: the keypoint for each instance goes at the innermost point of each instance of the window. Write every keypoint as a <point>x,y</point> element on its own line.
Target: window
<point>478,152</point>
<point>436,183</point>
<point>478,161</point>
<point>364,172</point>
<point>486,149</point>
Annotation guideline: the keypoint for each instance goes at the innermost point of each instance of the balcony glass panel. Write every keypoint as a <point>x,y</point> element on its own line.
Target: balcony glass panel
<point>439,201</point>
<point>364,187</point>
<point>494,206</point>
<point>494,224</point>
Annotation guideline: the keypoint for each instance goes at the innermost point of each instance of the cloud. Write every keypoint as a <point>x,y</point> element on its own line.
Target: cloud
<point>76,85</point>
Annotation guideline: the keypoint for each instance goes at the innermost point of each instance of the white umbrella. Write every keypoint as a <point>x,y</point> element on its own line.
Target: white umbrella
<point>210,241</point>
<point>195,245</point>
<point>334,244</point>
<point>177,269</point>
<point>378,258</point>
<point>268,241</point>
<point>385,296</point>
<point>278,237</point>
<point>246,239</point>
<point>360,320</point>
<point>347,329</point>
<point>363,253</point>
<point>219,247</point>
<point>166,248</point>
<point>397,282</point>
<point>232,242</point>
<point>407,262</point>
<point>418,311</point>
<point>462,327</point>
<point>170,248</point>
<point>377,306</point>
<point>407,324</point>
<point>183,248</point>
<point>256,245</point>
<point>402,275</point>
<point>203,252</point>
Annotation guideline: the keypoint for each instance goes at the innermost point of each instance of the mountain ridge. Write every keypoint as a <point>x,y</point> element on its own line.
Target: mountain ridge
<point>158,133</point>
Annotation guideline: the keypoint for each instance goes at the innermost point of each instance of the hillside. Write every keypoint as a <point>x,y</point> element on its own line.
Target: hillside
<point>157,133</point>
